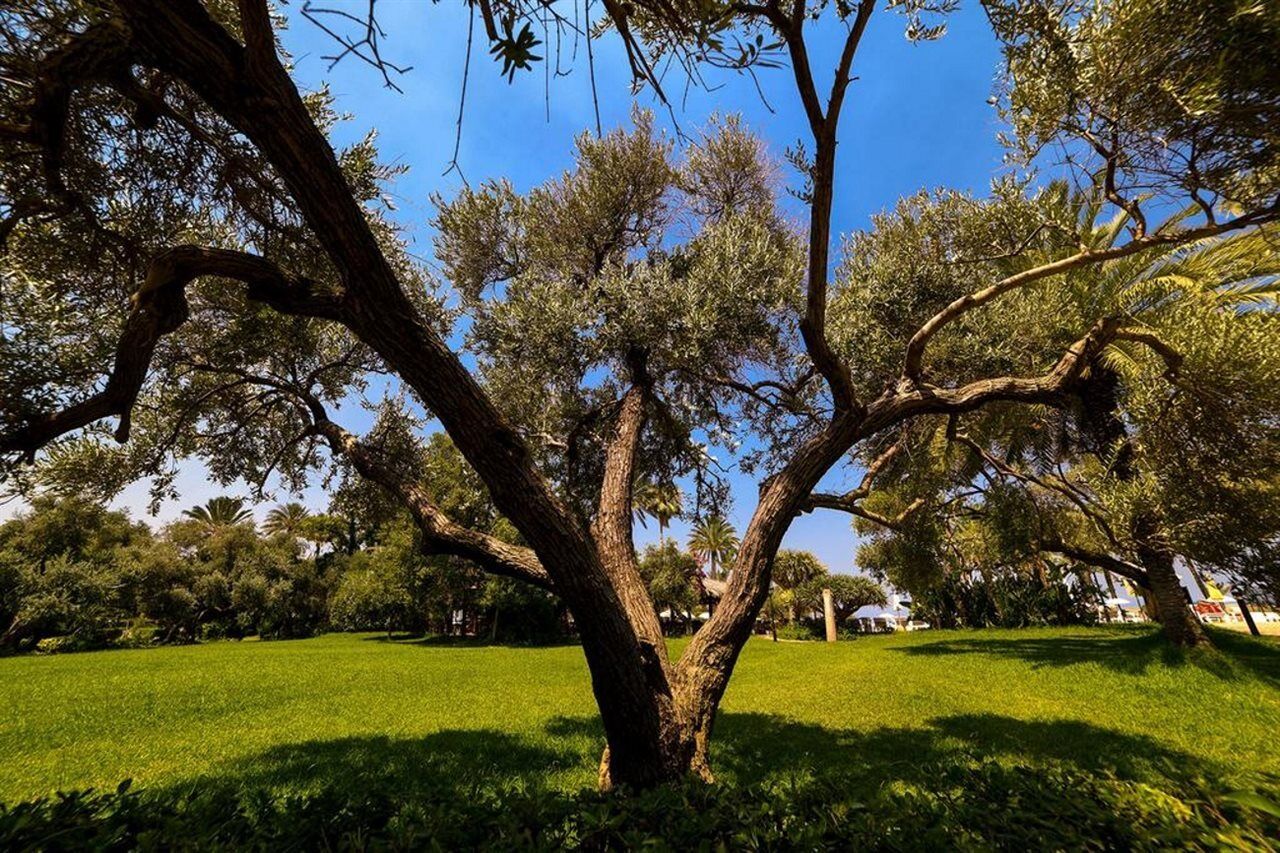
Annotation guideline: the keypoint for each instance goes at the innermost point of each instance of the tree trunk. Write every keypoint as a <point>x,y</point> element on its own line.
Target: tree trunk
<point>13,634</point>
<point>674,751</point>
<point>1248,616</point>
<point>1180,625</point>
<point>829,615</point>
<point>956,594</point>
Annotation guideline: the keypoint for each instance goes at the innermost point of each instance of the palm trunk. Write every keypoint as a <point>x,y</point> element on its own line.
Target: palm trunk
<point>1166,593</point>
<point>1180,625</point>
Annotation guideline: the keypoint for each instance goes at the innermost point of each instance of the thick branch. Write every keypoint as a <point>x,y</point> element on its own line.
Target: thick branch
<point>824,126</point>
<point>613,526</point>
<point>842,503</point>
<point>261,101</point>
<point>1172,358</point>
<point>259,35</point>
<point>913,365</point>
<point>159,308</point>
<point>1100,560</point>
<point>899,404</point>
<point>850,501</point>
<point>787,396</point>
<point>442,535</point>
<point>99,53</point>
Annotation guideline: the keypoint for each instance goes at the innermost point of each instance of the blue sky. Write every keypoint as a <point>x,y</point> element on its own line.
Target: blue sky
<point>916,116</point>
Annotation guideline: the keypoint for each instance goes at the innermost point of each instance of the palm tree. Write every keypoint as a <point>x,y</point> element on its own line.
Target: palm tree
<point>662,501</point>
<point>715,540</point>
<point>285,519</point>
<point>220,512</point>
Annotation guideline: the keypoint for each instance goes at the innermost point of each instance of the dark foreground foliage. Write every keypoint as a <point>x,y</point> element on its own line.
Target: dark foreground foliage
<point>968,804</point>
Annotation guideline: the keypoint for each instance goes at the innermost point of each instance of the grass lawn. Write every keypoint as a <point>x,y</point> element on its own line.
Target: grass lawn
<point>353,710</point>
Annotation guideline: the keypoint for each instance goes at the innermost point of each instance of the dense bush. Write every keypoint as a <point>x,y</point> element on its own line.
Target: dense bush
<point>520,613</point>
<point>369,598</point>
<point>1052,808</point>
<point>672,577</point>
<point>1004,600</point>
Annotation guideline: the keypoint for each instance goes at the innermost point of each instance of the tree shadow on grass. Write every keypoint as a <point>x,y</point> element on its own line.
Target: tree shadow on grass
<point>485,789</point>
<point>1260,656</point>
<point>456,760</point>
<point>754,747</point>
<point>747,748</point>
<point>1130,652</point>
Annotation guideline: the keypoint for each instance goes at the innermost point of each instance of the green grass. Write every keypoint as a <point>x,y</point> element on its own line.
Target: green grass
<point>351,711</point>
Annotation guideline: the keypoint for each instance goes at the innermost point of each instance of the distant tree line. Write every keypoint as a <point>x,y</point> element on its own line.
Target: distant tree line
<point>74,575</point>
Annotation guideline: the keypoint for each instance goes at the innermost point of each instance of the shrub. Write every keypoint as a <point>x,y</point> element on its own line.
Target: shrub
<point>968,805</point>
<point>137,634</point>
<point>368,599</point>
<point>54,645</point>
<point>802,630</point>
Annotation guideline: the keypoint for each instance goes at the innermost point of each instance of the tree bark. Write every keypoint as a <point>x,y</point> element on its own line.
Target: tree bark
<point>1180,625</point>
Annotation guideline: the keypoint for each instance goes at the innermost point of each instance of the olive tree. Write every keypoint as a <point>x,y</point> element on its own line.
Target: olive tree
<point>147,146</point>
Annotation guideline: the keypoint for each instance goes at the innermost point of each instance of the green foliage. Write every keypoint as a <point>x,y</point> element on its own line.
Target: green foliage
<point>817,746</point>
<point>521,613</point>
<point>672,577</point>
<point>1061,809</point>
<point>59,571</point>
<point>800,629</point>
<point>1169,437</point>
<point>661,501</point>
<point>713,539</point>
<point>1003,599</point>
<point>71,570</point>
<point>220,512</point>
<point>189,178</point>
<point>285,519</point>
<point>1164,85</point>
<point>791,568</point>
<point>932,248</point>
<point>848,593</point>
<point>630,252</point>
<point>370,596</point>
